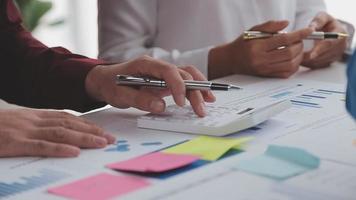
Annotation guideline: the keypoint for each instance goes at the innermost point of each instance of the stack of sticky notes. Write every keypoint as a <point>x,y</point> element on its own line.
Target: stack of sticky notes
<point>280,162</point>
<point>154,163</point>
<point>206,147</point>
<point>199,151</point>
<point>101,186</point>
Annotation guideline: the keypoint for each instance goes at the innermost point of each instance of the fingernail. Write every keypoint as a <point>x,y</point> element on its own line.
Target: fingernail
<point>181,99</point>
<point>157,106</point>
<point>101,141</point>
<point>111,139</point>
<point>313,25</point>
<point>73,151</point>
<point>313,55</point>
<point>202,109</point>
<point>212,96</point>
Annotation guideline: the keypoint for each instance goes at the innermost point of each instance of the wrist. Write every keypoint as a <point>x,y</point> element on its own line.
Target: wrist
<point>219,62</point>
<point>92,83</point>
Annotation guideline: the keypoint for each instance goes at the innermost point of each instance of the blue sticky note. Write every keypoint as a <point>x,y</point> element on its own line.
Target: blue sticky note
<point>280,162</point>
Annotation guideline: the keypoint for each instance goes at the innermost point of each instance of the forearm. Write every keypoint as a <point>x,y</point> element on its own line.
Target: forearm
<point>43,77</point>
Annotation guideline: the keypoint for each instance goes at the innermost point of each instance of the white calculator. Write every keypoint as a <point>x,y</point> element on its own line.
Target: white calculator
<point>221,120</point>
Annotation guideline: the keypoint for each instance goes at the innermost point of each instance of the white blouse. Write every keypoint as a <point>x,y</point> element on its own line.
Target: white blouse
<point>183,31</point>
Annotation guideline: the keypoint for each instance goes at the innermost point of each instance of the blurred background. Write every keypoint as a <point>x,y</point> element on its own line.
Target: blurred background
<point>73,23</point>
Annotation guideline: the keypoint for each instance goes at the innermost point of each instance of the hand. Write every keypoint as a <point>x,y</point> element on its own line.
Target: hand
<point>326,51</point>
<point>100,84</point>
<point>29,132</point>
<point>278,56</point>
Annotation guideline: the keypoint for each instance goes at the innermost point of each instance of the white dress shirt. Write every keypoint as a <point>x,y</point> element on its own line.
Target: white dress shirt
<point>183,31</point>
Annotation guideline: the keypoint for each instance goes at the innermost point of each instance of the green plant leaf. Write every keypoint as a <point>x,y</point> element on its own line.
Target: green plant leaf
<point>33,11</point>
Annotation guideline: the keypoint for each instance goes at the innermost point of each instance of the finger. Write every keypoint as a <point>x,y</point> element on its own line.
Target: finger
<point>284,69</point>
<point>72,124</point>
<point>60,115</point>
<point>66,136</point>
<point>44,148</point>
<point>322,47</point>
<point>197,75</point>
<point>110,138</point>
<point>195,97</point>
<point>323,60</point>
<point>271,26</point>
<point>140,99</point>
<point>287,39</point>
<point>157,92</point>
<point>320,20</point>
<point>160,69</point>
<point>285,54</point>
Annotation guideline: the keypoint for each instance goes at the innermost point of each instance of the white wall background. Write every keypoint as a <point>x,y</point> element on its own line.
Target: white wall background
<point>79,33</point>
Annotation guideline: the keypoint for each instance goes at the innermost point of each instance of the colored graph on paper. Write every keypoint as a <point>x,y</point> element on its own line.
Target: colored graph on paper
<point>25,183</point>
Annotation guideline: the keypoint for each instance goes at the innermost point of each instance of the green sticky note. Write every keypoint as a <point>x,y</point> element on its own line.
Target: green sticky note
<point>280,162</point>
<point>208,148</point>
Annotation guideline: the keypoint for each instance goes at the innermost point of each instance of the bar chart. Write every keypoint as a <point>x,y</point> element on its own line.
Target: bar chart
<point>25,183</point>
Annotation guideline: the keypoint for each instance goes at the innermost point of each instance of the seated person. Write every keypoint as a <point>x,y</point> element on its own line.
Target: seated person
<point>205,33</point>
<point>36,76</point>
<point>351,86</point>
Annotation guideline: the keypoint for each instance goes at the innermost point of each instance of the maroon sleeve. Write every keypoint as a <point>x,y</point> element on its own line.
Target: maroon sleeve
<point>33,75</point>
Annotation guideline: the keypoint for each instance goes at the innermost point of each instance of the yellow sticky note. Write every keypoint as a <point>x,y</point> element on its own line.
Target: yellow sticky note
<point>207,148</point>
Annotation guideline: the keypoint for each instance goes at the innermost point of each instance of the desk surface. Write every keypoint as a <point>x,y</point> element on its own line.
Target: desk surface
<point>218,180</point>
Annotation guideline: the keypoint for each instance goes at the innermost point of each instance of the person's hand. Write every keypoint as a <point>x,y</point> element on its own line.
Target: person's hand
<point>326,51</point>
<point>30,132</point>
<point>100,84</point>
<point>278,56</point>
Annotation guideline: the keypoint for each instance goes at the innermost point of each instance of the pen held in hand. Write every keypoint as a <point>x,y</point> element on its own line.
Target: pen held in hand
<point>125,80</point>
<point>317,35</point>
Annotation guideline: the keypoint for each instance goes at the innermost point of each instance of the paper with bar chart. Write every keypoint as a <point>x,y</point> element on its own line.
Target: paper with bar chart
<point>313,104</point>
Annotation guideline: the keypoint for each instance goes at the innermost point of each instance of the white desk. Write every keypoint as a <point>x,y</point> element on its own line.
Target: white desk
<point>215,181</point>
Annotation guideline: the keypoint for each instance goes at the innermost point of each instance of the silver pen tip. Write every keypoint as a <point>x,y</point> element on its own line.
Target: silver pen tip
<point>235,87</point>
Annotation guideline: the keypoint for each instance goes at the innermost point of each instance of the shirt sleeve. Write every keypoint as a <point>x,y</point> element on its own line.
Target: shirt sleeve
<point>127,29</point>
<point>306,11</point>
<point>34,75</point>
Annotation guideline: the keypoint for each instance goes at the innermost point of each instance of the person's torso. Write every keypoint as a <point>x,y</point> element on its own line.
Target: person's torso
<point>187,24</point>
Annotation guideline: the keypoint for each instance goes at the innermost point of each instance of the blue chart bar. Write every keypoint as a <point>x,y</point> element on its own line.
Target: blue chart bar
<point>46,177</point>
<point>306,104</point>
<point>320,92</point>
<point>331,91</point>
<point>283,94</point>
<point>313,96</point>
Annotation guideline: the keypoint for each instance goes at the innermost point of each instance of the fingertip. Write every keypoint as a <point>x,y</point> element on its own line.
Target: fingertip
<point>157,106</point>
<point>313,25</point>
<point>284,22</point>
<point>180,100</point>
<point>71,151</point>
<point>313,55</point>
<point>110,138</point>
<point>212,96</point>
<point>201,110</point>
<point>101,142</point>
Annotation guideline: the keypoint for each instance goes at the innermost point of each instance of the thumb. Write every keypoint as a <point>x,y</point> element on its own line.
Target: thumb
<point>271,26</point>
<point>141,99</point>
<point>320,21</point>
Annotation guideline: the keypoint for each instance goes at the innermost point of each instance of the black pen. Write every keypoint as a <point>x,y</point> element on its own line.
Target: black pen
<point>190,85</point>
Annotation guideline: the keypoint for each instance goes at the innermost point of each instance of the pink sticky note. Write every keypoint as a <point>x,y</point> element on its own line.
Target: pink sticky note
<point>154,162</point>
<point>101,186</point>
